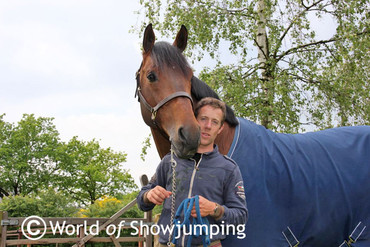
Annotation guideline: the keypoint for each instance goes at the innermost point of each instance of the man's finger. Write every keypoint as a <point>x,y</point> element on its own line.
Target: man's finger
<point>158,194</point>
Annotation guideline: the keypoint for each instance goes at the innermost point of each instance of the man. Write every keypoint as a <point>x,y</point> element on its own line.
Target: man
<point>212,176</point>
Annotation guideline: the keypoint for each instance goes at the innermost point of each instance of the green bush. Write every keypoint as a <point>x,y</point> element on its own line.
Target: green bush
<point>47,203</point>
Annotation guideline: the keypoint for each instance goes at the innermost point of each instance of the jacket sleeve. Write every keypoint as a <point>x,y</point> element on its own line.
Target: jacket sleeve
<point>140,198</point>
<point>157,179</point>
<point>235,208</point>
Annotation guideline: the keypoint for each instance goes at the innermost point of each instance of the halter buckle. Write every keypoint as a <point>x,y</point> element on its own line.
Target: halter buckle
<point>154,115</point>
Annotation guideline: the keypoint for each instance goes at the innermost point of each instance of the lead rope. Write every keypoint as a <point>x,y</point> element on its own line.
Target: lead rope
<point>173,198</point>
<point>198,226</point>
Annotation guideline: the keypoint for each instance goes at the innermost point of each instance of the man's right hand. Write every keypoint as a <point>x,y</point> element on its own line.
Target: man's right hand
<point>158,194</point>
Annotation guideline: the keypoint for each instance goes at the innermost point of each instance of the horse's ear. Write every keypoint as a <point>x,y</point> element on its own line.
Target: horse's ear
<point>181,38</point>
<point>149,39</point>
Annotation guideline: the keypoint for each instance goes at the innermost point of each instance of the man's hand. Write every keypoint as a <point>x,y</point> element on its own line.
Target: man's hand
<point>158,194</point>
<point>206,207</point>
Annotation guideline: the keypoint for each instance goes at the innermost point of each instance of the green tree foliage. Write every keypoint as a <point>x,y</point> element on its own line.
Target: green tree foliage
<point>47,203</point>
<point>283,74</point>
<point>146,145</point>
<point>28,154</point>
<point>89,171</point>
<point>33,159</point>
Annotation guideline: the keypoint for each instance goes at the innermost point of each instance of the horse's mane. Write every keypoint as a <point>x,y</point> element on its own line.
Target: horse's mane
<point>200,89</point>
<point>165,54</point>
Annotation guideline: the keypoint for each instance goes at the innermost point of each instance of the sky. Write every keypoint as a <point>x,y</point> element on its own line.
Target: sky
<point>75,61</point>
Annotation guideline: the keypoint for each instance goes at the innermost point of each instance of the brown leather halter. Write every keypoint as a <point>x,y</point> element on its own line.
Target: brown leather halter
<point>154,110</point>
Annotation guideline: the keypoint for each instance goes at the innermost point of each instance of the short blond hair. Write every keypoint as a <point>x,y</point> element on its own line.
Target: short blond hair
<point>215,103</point>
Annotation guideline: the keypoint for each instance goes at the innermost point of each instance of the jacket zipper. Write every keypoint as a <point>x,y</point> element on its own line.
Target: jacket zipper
<point>196,168</point>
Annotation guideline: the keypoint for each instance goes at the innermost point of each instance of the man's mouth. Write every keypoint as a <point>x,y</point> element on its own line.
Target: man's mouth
<point>205,134</point>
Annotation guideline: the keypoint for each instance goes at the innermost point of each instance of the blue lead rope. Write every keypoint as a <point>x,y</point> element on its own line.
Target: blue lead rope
<point>199,226</point>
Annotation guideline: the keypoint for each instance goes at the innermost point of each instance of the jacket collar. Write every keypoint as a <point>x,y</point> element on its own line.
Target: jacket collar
<point>213,152</point>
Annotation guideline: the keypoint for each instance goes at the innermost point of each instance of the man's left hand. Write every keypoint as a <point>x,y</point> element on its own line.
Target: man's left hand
<point>206,207</point>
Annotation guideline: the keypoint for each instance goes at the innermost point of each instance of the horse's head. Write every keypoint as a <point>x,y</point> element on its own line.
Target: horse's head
<point>164,88</point>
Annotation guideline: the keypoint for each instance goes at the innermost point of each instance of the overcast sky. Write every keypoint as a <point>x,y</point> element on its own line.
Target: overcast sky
<point>75,61</point>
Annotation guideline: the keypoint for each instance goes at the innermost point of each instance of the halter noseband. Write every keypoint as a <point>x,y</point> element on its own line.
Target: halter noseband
<point>154,110</point>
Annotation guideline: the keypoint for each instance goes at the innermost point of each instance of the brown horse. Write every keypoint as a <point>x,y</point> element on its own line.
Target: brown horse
<point>307,188</point>
<point>163,73</point>
<point>163,87</point>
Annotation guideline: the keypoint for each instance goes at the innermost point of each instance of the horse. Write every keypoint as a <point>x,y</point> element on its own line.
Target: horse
<point>309,189</point>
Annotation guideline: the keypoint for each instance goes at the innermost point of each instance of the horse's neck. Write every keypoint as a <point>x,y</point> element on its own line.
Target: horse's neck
<point>163,145</point>
<point>225,138</point>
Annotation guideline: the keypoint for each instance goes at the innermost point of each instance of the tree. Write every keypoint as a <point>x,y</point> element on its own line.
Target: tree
<point>28,153</point>
<point>33,158</point>
<point>47,203</point>
<point>4,133</point>
<point>284,75</point>
<point>89,171</point>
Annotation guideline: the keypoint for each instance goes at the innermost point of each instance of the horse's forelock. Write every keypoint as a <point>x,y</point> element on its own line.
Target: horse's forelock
<point>165,54</point>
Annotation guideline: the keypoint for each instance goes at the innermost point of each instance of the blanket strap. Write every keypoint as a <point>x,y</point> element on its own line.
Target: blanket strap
<point>290,238</point>
<point>356,233</point>
<point>359,229</point>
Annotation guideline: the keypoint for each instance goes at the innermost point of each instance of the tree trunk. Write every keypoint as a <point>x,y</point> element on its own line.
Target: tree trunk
<point>263,56</point>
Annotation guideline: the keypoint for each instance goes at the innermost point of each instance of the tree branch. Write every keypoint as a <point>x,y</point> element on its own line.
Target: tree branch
<point>307,8</point>
<point>309,81</point>
<point>224,8</point>
<point>297,48</point>
<point>331,52</point>
<point>250,72</point>
<point>260,48</point>
<point>320,42</point>
<point>312,5</point>
<point>3,193</point>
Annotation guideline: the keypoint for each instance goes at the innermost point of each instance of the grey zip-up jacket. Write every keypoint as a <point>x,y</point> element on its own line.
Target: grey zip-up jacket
<point>215,177</point>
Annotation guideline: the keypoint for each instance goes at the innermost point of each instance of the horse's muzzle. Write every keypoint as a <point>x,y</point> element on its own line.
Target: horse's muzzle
<point>186,142</point>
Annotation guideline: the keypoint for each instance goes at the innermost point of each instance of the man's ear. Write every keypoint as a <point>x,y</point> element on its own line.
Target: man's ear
<point>221,128</point>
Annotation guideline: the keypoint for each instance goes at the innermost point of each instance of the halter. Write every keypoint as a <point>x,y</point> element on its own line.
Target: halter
<point>154,110</point>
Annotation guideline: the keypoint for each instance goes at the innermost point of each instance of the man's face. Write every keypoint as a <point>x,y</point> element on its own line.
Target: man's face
<point>209,119</point>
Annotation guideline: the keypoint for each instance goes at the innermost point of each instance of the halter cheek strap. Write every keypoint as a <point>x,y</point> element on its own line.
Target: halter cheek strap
<point>154,110</point>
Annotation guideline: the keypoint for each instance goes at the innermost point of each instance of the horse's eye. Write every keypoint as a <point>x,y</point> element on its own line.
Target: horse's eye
<point>151,77</point>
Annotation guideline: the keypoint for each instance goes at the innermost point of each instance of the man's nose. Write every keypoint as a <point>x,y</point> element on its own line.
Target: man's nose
<point>208,124</point>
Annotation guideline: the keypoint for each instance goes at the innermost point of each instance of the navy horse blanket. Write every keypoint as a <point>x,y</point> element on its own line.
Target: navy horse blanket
<point>310,189</point>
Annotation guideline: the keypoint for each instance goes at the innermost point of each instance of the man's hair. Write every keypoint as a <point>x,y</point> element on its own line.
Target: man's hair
<point>215,103</point>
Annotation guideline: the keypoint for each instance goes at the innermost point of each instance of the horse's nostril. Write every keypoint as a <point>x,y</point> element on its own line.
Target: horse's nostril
<point>188,136</point>
<point>182,135</point>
